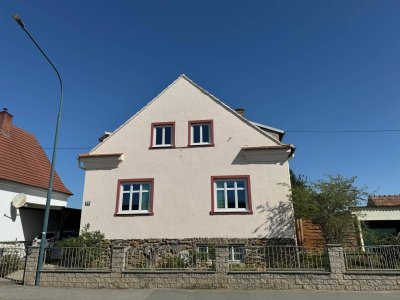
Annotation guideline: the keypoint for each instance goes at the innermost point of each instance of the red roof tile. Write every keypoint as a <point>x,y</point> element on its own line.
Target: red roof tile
<point>23,160</point>
<point>384,200</point>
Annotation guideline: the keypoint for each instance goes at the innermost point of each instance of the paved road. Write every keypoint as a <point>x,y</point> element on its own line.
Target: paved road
<point>32,293</point>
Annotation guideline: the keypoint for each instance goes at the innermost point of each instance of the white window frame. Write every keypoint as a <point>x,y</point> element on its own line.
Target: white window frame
<point>131,192</point>
<point>235,188</point>
<point>163,144</point>
<point>232,249</point>
<point>201,133</point>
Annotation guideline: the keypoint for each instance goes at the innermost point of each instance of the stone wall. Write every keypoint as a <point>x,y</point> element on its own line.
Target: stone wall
<point>117,277</point>
<point>190,242</point>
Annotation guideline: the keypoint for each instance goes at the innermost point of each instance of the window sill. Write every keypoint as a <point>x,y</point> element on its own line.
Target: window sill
<point>247,212</point>
<point>200,145</point>
<point>161,147</point>
<point>134,214</point>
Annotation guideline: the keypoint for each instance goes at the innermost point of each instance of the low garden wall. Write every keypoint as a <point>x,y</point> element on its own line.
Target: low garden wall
<point>124,271</point>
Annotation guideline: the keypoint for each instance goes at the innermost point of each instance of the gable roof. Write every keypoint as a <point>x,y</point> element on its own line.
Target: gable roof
<point>24,161</point>
<point>384,201</point>
<point>215,99</point>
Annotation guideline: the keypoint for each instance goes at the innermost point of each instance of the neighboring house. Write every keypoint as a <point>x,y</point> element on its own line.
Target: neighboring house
<point>25,168</point>
<point>188,166</point>
<point>382,214</point>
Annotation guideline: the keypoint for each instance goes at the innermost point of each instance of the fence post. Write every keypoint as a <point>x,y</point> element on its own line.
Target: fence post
<point>32,255</point>
<point>336,259</point>
<point>222,259</point>
<point>221,265</point>
<point>117,259</point>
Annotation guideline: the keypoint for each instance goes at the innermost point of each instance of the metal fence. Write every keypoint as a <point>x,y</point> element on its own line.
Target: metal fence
<point>275,258</point>
<point>77,258</point>
<point>196,258</point>
<point>12,262</point>
<point>373,258</point>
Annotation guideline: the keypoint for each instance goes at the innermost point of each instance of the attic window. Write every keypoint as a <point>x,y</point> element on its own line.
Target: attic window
<point>162,135</point>
<point>201,133</point>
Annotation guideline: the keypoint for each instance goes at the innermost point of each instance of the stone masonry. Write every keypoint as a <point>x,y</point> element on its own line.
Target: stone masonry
<point>337,278</point>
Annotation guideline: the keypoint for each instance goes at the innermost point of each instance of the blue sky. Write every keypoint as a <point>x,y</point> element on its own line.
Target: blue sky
<point>295,65</point>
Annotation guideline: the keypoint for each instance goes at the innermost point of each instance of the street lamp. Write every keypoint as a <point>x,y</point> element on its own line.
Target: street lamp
<point>53,160</point>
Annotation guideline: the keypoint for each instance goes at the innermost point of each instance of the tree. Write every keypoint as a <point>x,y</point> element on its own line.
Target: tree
<point>327,203</point>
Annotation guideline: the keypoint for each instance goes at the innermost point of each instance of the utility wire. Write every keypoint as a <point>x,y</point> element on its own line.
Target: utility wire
<point>68,148</point>
<point>342,131</point>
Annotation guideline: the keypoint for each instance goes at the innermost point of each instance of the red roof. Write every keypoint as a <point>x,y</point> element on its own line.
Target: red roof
<point>23,160</point>
<point>384,200</point>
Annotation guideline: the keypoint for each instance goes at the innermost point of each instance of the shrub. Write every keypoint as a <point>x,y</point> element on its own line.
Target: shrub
<point>85,239</point>
<point>83,252</point>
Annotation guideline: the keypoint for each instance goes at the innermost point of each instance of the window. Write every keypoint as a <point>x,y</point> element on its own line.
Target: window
<point>162,134</point>
<point>135,196</point>
<point>201,133</point>
<point>236,253</point>
<point>202,250</point>
<point>231,194</point>
<point>205,253</point>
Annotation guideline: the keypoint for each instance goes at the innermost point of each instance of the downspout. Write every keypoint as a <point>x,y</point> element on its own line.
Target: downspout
<point>292,151</point>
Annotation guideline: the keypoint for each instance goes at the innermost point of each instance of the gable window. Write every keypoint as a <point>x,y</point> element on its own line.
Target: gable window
<point>135,196</point>
<point>163,134</point>
<point>231,195</point>
<point>201,133</point>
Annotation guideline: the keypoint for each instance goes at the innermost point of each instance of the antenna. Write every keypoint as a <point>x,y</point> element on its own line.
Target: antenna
<point>19,200</point>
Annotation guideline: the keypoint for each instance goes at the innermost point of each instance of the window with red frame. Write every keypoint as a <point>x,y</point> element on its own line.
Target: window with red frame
<point>201,133</point>
<point>231,194</point>
<point>135,197</point>
<point>162,135</point>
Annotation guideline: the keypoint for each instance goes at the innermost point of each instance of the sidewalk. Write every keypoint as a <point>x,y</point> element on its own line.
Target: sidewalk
<point>34,293</point>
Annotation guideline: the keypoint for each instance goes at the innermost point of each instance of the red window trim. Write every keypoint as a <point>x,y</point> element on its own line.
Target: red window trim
<point>249,210</point>
<point>190,123</point>
<point>122,181</point>
<point>156,124</point>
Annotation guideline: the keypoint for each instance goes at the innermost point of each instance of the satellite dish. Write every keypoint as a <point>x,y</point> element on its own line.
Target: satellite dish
<point>19,200</point>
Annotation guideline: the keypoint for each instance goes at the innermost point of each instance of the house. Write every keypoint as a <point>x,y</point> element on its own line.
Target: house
<point>25,169</point>
<point>188,166</point>
<point>382,215</point>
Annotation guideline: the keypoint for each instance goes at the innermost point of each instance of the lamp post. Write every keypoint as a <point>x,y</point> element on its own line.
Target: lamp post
<point>53,160</point>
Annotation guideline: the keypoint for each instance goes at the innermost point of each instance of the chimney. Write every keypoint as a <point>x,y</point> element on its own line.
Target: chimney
<point>104,136</point>
<point>5,122</point>
<point>240,111</point>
